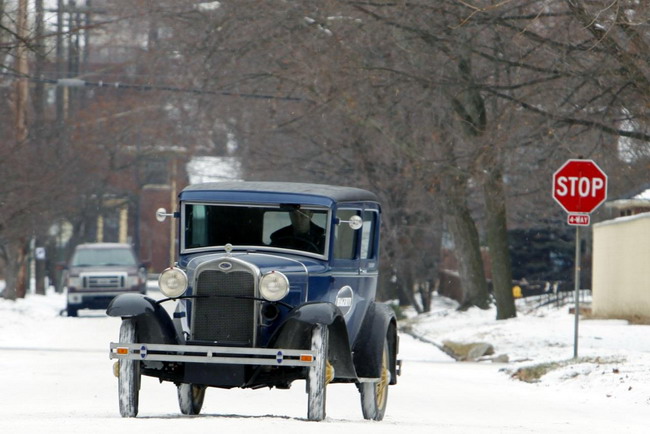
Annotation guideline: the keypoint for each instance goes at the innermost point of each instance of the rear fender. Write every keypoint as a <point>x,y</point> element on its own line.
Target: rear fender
<point>379,324</point>
<point>153,323</point>
<point>295,332</point>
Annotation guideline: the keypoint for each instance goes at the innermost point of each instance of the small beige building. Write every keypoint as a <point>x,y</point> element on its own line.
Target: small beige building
<point>621,267</point>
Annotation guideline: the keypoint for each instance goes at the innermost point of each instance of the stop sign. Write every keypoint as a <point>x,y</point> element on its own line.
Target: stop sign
<point>580,186</point>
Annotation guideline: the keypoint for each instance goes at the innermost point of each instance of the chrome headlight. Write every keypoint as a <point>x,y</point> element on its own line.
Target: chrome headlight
<point>274,286</point>
<point>172,282</point>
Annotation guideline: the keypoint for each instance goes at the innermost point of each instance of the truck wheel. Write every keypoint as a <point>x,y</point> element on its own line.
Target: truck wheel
<point>316,380</point>
<point>129,373</point>
<point>72,311</point>
<point>190,398</point>
<point>374,395</point>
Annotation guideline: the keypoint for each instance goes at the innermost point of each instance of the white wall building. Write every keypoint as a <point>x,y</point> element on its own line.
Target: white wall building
<point>621,267</point>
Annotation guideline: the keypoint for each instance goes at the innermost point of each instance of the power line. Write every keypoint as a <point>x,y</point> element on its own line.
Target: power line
<point>76,82</point>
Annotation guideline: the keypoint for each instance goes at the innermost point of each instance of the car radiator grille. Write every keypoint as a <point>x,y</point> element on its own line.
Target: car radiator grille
<point>103,281</point>
<point>224,318</point>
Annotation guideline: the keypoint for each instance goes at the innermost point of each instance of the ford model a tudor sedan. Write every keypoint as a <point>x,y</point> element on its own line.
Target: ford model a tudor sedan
<point>275,282</point>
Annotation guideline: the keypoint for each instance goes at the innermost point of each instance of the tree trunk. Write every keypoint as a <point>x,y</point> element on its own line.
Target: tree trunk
<point>468,251</point>
<point>21,270</point>
<point>497,237</point>
<point>15,273</point>
<point>405,285</point>
<point>461,225</point>
<point>431,261</point>
<point>426,294</point>
<point>9,292</point>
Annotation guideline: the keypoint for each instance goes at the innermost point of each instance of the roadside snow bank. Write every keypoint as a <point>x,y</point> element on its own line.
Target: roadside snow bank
<point>614,356</point>
<point>35,322</point>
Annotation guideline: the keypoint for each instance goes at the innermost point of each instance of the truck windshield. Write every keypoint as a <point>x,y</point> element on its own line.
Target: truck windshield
<point>290,226</point>
<point>102,257</point>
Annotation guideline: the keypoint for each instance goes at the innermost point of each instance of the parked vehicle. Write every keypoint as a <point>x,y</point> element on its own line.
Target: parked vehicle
<point>97,272</point>
<point>275,282</point>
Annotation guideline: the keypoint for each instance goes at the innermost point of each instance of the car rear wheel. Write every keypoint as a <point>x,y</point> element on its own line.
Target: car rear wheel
<point>317,378</point>
<point>374,395</point>
<point>129,373</point>
<point>190,398</point>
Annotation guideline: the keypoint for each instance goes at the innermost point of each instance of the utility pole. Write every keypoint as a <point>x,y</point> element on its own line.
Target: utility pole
<point>22,96</point>
<point>22,89</point>
<point>39,86</point>
<point>37,130</point>
<point>60,106</point>
<point>73,55</point>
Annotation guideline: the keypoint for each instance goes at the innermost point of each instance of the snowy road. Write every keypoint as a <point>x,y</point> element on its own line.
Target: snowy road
<point>56,377</point>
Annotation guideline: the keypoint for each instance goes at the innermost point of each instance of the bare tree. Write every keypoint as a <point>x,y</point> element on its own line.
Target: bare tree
<point>48,173</point>
<point>452,111</point>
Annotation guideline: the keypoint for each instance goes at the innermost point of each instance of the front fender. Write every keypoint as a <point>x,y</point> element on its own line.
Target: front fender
<point>153,323</point>
<point>378,325</point>
<point>296,330</point>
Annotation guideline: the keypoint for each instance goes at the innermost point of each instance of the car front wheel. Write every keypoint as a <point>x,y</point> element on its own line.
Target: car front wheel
<point>190,398</point>
<point>374,395</point>
<point>317,378</point>
<point>129,373</point>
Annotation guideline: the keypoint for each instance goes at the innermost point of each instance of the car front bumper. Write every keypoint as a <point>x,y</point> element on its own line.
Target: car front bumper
<point>213,354</point>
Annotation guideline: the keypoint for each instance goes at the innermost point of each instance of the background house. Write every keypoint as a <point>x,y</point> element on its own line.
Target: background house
<point>621,260</point>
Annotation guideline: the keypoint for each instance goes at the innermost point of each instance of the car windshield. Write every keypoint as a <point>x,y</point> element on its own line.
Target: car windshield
<point>103,257</point>
<point>289,226</point>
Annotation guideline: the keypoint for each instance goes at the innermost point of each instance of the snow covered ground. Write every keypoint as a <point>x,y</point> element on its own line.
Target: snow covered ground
<point>55,376</point>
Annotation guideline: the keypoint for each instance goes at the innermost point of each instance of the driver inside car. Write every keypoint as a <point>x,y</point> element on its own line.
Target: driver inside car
<point>302,233</point>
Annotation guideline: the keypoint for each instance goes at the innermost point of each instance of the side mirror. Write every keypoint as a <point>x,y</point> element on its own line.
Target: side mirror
<point>162,214</point>
<point>355,222</point>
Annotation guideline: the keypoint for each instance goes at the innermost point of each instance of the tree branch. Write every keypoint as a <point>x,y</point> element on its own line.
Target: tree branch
<point>572,120</point>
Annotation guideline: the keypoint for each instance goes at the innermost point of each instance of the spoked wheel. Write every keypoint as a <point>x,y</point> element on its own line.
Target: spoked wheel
<point>374,395</point>
<point>317,379</point>
<point>190,398</point>
<point>129,373</point>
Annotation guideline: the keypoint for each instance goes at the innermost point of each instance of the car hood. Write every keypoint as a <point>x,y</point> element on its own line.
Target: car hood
<point>293,264</point>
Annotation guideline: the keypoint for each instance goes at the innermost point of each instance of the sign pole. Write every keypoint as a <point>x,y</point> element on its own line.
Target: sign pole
<point>576,294</point>
<point>579,186</point>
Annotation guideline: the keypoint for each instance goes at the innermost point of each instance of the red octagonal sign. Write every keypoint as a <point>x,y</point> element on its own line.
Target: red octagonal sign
<point>580,186</point>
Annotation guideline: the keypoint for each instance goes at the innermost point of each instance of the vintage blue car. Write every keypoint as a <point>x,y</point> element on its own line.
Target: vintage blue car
<point>275,282</point>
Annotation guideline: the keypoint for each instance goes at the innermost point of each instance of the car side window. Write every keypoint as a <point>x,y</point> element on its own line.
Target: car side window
<point>368,234</point>
<point>345,241</point>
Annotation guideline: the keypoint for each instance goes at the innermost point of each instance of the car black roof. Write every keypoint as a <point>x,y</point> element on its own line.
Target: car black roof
<point>333,192</point>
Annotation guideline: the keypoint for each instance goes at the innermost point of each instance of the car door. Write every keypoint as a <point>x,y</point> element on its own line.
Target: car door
<point>354,265</point>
